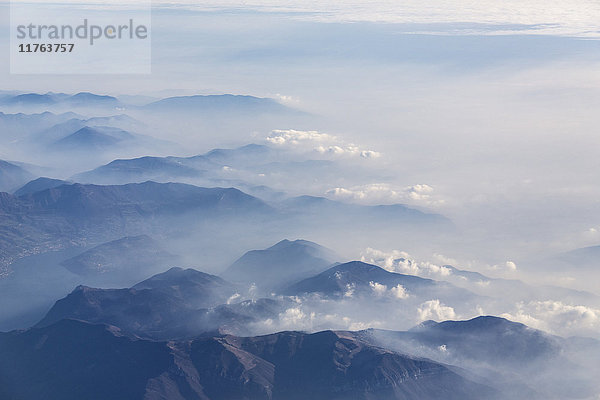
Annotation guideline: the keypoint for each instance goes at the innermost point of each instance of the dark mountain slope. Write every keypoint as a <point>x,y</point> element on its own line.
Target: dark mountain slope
<point>169,305</point>
<point>75,360</point>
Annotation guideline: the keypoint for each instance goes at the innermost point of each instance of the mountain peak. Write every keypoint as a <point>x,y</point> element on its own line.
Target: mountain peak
<point>39,184</point>
<point>281,264</point>
<point>358,275</point>
<point>177,276</point>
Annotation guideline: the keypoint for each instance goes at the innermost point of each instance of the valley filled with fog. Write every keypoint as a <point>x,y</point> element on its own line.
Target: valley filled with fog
<point>398,209</point>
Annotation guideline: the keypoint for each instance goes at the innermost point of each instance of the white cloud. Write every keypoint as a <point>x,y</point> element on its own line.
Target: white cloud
<point>399,292</point>
<point>350,288</point>
<point>252,290</point>
<point>385,193</point>
<point>419,192</point>
<point>557,317</point>
<point>381,290</point>
<point>347,150</point>
<point>435,310</point>
<point>591,234</point>
<point>444,260</point>
<point>378,288</point>
<point>511,266</point>
<point>322,143</point>
<point>292,316</point>
<point>287,99</point>
<point>294,137</point>
<point>508,266</point>
<point>401,262</point>
<point>233,298</point>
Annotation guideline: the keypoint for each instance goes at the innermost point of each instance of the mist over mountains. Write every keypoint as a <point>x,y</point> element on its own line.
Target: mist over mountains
<point>494,355</point>
<point>131,257</point>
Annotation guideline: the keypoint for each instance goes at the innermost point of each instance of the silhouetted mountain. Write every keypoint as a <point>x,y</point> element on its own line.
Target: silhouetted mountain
<point>172,305</point>
<point>86,99</point>
<point>129,258</point>
<point>194,288</point>
<point>172,168</point>
<point>18,127</point>
<point>329,365</point>
<point>336,280</point>
<point>63,128</point>
<point>239,156</point>
<point>141,199</point>
<point>244,160</point>
<point>336,212</point>
<point>30,99</point>
<point>39,184</point>
<point>12,176</point>
<point>281,264</point>
<point>169,305</point>
<point>74,360</point>
<point>226,103</point>
<point>54,100</point>
<point>93,138</point>
<point>371,286</point>
<point>143,169</point>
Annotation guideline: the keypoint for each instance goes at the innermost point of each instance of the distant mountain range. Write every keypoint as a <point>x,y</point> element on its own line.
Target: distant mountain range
<point>21,126</point>
<point>210,166</point>
<point>83,99</point>
<point>209,104</point>
<point>247,167</point>
<point>173,168</point>
<point>201,302</point>
<point>78,214</point>
<point>225,103</point>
